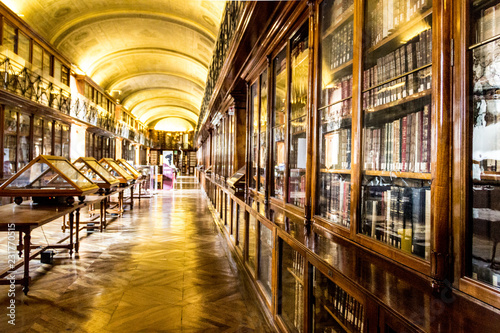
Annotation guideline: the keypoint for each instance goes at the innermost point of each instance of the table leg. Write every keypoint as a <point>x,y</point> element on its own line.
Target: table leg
<point>77,240</point>
<point>71,220</point>
<point>27,242</point>
<point>20,246</point>
<point>105,219</point>
<point>132,197</point>
<point>120,203</point>
<point>102,214</point>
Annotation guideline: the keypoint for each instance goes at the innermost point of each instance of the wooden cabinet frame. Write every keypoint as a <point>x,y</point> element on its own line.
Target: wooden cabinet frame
<point>461,164</point>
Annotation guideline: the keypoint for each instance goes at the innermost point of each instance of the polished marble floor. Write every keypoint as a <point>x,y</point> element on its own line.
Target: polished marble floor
<point>162,267</point>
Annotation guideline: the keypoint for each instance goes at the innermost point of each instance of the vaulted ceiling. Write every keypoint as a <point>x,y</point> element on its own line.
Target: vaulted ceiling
<point>156,53</point>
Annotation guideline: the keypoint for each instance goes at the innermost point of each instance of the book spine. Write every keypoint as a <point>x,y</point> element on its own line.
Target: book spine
<point>425,139</point>
<point>404,130</point>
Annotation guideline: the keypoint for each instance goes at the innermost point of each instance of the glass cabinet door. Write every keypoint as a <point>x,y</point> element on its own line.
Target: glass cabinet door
<point>298,117</point>
<point>335,111</point>
<point>252,241</point>
<point>37,136</point>
<point>291,288</point>
<point>397,82</point>
<point>263,132</point>
<point>57,139</point>
<point>278,118</point>
<point>241,229</point>
<point>47,137</point>
<point>65,141</point>
<point>9,143</point>
<point>484,55</point>
<point>266,259</point>
<point>334,309</point>
<point>24,141</point>
<point>254,135</point>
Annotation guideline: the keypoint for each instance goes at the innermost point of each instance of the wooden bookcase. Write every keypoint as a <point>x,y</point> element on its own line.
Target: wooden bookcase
<point>373,123</point>
<point>475,148</point>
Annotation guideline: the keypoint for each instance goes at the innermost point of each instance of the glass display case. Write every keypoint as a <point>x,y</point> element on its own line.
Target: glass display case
<point>291,287</point>
<point>117,171</point>
<point>48,176</point>
<point>126,165</point>
<point>335,111</point>
<point>397,111</point>
<point>483,232</point>
<point>96,172</point>
<point>334,309</point>
<point>266,260</point>
<point>278,131</point>
<point>9,143</point>
<point>298,117</point>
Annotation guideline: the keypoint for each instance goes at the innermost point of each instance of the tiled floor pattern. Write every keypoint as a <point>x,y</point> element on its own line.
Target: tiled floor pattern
<point>160,268</point>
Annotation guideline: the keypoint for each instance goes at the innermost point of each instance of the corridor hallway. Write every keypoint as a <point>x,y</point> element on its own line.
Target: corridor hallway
<point>161,268</point>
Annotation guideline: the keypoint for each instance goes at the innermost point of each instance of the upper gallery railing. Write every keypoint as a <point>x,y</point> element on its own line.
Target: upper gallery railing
<point>22,81</point>
<point>231,16</point>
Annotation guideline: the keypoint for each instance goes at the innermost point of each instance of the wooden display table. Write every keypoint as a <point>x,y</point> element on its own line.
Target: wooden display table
<point>26,217</point>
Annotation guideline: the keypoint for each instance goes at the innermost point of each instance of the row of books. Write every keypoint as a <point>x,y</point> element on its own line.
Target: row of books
<point>339,7</point>
<point>398,89</point>
<point>341,47</point>
<point>298,264</point>
<point>386,16</point>
<point>414,54</point>
<point>337,149</point>
<point>335,198</point>
<point>398,216</point>
<point>488,24</point>
<point>402,145</point>
<point>339,90</point>
<point>342,305</point>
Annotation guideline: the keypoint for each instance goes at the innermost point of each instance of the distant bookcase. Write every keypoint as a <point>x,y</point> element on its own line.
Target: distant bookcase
<point>335,111</point>
<point>396,102</point>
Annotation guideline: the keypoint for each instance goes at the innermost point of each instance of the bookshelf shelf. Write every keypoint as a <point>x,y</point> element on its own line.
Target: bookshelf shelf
<point>490,176</point>
<point>336,171</point>
<point>346,16</point>
<point>402,101</point>
<point>398,174</point>
<point>404,33</point>
<point>342,69</point>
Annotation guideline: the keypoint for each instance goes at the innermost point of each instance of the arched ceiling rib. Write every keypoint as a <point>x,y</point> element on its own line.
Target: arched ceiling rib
<point>156,53</point>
